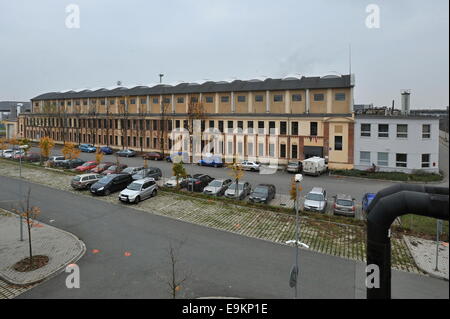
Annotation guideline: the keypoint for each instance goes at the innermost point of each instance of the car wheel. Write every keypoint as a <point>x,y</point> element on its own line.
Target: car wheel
<point>154,193</point>
<point>107,192</point>
<point>137,200</point>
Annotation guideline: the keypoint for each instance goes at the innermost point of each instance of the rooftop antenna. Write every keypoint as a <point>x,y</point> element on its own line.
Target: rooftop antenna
<point>119,83</point>
<point>350,59</point>
<point>160,77</point>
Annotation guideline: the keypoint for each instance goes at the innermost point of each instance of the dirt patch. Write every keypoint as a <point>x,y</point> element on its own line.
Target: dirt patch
<point>24,265</point>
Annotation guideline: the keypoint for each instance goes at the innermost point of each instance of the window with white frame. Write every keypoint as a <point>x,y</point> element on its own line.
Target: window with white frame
<point>402,130</point>
<point>364,158</point>
<point>425,160</point>
<point>426,131</point>
<point>250,149</point>
<point>272,150</point>
<point>401,160</point>
<point>261,149</point>
<point>230,148</point>
<point>383,130</point>
<point>365,130</point>
<point>383,159</point>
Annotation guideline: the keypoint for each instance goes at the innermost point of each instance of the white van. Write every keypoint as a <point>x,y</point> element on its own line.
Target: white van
<point>314,166</point>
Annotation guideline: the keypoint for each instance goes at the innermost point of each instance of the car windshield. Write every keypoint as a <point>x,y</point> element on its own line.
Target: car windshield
<point>134,186</point>
<point>314,197</point>
<point>105,180</point>
<point>215,184</point>
<point>112,168</point>
<point>76,179</point>
<point>233,186</point>
<point>343,202</point>
<point>88,164</point>
<point>261,190</point>
<point>293,163</point>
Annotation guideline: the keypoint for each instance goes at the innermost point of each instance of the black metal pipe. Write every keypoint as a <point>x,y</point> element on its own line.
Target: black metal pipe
<point>388,204</point>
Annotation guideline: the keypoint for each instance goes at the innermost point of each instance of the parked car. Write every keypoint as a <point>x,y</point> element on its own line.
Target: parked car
<point>182,157</point>
<point>88,148</point>
<point>239,191</point>
<point>156,156</point>
<point>32,157</point>
<point>294,167</point>
<point>12,153</point>
<point>7,153</point>
<point>110,184</point>
<point>197,182</point>
<point>316,200</point>
<point>71,163</point>
<point>214,161</point>
<point>86,167</point>
<point>56,160</point>
<point>314,166</point>
<point>132,170</point>
<point>115,169</point>
<point>250,166</point>
<point>106,150</point>
<point>344,205</point>
<point>18,155</point>
<point>126,153</point>
<point>366,200</point>
<point>263,193</point>
<point>85,181</point>
<point>139,190</point>
<point>172,182</point>
<point>152,172</point>
<point>217,187</point>
<point>102,167</point>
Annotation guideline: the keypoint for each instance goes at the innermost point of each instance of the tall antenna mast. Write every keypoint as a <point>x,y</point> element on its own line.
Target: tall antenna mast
<point>350,58</point>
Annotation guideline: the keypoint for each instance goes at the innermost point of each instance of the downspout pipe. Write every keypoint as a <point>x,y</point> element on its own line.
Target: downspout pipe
<point>388,204</point>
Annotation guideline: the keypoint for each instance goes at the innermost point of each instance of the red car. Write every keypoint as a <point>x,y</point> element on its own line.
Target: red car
<point>114,169</point>
<point>101,167</point>
<point>86,167</point>
<point>156,156</point>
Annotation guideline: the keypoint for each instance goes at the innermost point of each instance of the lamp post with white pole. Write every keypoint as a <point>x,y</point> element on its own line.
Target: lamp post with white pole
<point>23,148</point>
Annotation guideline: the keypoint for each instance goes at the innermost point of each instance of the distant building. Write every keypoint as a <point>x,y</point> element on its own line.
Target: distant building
<point>10,109</point>
<point>397,143</point>
<point>361,108</point>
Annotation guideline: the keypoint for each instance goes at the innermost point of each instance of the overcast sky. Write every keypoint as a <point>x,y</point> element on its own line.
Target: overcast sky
<point>189,40</point>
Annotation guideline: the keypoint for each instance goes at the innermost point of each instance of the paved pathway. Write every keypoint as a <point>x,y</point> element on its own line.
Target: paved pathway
<point>61,247</point>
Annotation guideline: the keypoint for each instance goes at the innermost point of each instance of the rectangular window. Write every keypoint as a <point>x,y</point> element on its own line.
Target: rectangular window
<point>294,153</point>
<point>221,126</point>
<point>383,130</point>
<point>259,98</point>
<point>209,99</point>
<point>260,127</point>
<point>278,98</point>
<point>240,148</point>
<point>401,160</point>
<point>425,160</point>
<point>180,99</point>
<point>364,158</point>
<point>365,130</point>
<point>230,126</point>
<point>319,97</point>
<point>296,97</point>
<point>224,99</point>
<point>155,100</point>
<point>271,127</point>
<point>338,143</point>
<point>283,128</point>
<point>240,125</point>
<point>132,101</point>
<point>402,130</point>
<point>143,101</point>
<point>294,128</point>
<point>230,148</point>
<point>339,97</point>
<point>166,100</point>
<point>250,127</point>
<point>102,102</point>
<point>194,99</point>
<point>241,98</point>
<point>250,149</point>
<point>261,149</point>
<point>211,124</point>
<point>272,150</point>
<point>426,131</point>
<point>283,150</point>
<point>383,159</point>
<point>111,102</point>
<point>313,129</point>
<point>177,123</point>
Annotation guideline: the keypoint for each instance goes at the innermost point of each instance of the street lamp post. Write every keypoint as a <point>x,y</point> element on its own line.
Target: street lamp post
<point>22,147</point>
<point>295,269</point>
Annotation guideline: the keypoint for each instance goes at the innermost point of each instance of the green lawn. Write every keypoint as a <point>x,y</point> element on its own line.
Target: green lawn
<point>426,226</point>
<point>391,176</point>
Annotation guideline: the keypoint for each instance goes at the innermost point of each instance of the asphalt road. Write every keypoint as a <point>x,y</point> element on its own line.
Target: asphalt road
<point>219,263</point>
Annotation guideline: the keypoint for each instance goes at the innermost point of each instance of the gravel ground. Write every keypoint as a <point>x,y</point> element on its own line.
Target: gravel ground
<point>342,240</point>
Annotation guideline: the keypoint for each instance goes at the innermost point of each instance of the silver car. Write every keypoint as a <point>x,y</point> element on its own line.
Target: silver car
<point>217,187</point>
<point>344,205</point>
<point>243,189</point>
<point>316,200</point>
<point>250,166</point>
<point>139,190</point>
<point>172,182</point>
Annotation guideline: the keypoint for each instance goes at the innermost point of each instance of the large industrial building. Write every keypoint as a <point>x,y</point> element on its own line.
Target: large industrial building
<point>282,119</point>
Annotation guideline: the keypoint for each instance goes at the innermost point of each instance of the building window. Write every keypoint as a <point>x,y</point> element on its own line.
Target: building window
<point>294,128</point>
<point>194,99</point>
<point>230,148</point>
<point>319,97</point>
<point>221,126</point>
<point>250,127</point>
<point>122,102</point>
<point>180,99</point>
<point>401,160</point>
<point>402,130</point>
<point>143,101</point>
<point>166,100</point>
<point>272,150</point>
<point>425,160</point>
<point>261,149</point>
<point>230,126</point>
<point>383,159</point>
<point>339,97</point>
<point>364,158</point>
<point>426,131</point>
<point>338,143</point>
<point>271,127</point>
<point>155,100</point>
<point>278,98</point>
<point>111,102</point>
<point>211,124</point>
<point>294,153</point>
<point>224,99</point>
<point>102,102</point>
<point>296,97</point>
<point>259,98</point>
<point>240,148</point>
<point>132,101</point>
<point>313,129</point>
<point>209,99</point>
<point>383,130</point>
<point>241,98</point>
<point>240,125</point>
<point>250,149</point>
<point>260,127</point>
<point>365,130</point>
<point>283,150</point>
<point>283,128</point>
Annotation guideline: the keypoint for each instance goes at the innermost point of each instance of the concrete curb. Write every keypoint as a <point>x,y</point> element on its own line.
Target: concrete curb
<point>54,272</point>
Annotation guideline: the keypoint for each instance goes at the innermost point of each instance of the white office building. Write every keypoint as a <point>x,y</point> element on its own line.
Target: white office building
<point>397,143</point>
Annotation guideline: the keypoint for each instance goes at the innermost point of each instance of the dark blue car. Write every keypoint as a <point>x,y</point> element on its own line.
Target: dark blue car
<point>367,199</point>
<point>89,148</point>
<point>214,161</point>
<point>106,150</point>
